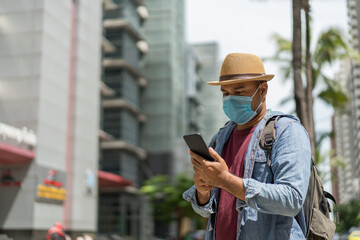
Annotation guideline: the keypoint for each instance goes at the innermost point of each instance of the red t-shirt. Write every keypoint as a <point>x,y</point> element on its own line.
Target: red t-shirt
<point>234,156</point>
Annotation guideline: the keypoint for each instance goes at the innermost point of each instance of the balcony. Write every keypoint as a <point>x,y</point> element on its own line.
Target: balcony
<point>352,4</point>
<point>107,46</point>
<point>105,90</point>
<point>109,5</point>
<point>121,63</point>
<point>353,23</point>
<point>113,24</point>
<point>122,145</point>
<point>121,103</point>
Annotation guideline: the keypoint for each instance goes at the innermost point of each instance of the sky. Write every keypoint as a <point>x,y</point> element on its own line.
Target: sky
<point>247,26</point>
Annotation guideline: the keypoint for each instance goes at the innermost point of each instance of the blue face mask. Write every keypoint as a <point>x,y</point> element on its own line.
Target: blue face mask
<point>238,108</point>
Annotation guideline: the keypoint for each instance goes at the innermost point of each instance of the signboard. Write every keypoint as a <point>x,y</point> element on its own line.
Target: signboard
<point>20,135</point>
<point>51,190</point>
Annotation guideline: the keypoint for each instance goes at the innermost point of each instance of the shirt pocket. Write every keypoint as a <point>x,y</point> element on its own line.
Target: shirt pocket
<point>261,171</point>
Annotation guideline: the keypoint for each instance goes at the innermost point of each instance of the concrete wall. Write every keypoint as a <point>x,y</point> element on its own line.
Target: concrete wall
<point>88,59</point>
<point>34,46</point>
<point>53,94</point>
<point>34,75</point>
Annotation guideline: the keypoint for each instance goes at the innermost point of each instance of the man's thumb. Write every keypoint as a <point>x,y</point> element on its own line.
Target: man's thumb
<point>215,155</point>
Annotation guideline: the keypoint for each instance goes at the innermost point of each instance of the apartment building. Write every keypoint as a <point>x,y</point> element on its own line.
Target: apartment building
<point>49,61</point>
<point>122,209</point>
<point>347,120</point>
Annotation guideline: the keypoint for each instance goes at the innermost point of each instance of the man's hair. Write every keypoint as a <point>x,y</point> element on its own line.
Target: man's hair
<point>260,82</point>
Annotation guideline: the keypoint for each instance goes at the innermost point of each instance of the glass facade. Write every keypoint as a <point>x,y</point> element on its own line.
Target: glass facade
<point>124,85</point>
<point>212,117</point>
<point>121,163</point>
<point>122,211</point>
<point>121,124</point>
<point>164,100</point>
<point>123,214</point>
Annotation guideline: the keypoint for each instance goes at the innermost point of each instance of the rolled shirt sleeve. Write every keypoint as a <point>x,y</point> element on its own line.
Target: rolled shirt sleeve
<point>291,158</point>
<point>203,210</point>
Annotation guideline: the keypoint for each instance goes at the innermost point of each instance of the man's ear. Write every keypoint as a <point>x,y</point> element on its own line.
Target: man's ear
<point>263,89</point>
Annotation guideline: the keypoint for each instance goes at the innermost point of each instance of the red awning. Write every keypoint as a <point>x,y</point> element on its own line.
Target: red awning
<point>10,154</point>
<point>110,180</point>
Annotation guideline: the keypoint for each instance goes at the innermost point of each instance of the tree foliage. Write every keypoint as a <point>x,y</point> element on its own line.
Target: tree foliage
<point>349,216</point>
<point>330,47</point>
<point>166,197</point>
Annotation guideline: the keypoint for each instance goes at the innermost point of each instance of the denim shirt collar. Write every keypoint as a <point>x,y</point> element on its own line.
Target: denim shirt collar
<point>225,133</point>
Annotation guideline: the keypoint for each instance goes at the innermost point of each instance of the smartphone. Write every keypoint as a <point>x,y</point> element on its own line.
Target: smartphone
<point>197,145</point>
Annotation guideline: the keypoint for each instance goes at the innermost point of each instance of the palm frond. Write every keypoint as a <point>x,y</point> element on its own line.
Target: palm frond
<point>330,47</point>
<point>284,46</point>
<point>334,94</point>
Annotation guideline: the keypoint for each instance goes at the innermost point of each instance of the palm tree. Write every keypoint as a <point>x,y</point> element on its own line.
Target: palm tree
<point>329,48</point>
<point>299,93</point>
<point>309,77</point>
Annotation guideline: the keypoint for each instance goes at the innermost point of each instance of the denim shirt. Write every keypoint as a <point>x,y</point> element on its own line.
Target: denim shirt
<point>273,196</point>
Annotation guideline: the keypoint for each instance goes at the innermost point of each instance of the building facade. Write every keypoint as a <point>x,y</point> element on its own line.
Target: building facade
<point>345,177</point>
<point>212,116</point>
<point>347,121</point>
<point>49,61</point>
<point>122,209</point>
<point>164,99</point>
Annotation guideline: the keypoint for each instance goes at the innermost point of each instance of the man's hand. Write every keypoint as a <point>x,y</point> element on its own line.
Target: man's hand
<point>208,174</point>
<point>213,173</point>
<point>203,189</point>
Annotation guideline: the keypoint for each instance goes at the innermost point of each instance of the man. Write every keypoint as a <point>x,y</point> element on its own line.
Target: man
<point>56,232</point>
<point>241,195</point>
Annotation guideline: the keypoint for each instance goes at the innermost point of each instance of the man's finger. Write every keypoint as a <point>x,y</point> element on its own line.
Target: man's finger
<point>194,162</point>
<point>215,155</point>
<point>196,157</point>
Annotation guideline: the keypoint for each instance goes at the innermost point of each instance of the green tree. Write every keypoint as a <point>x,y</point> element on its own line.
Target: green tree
<point>329,47</point>
<point>349,215</point>
<point>167,201</point>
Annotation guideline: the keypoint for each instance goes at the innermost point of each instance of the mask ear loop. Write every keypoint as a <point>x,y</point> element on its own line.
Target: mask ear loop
<point>255,92</point>
<point>260,101</point>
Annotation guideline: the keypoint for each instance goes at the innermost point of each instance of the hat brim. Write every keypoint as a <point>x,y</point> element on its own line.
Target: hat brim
<point>267,77</point>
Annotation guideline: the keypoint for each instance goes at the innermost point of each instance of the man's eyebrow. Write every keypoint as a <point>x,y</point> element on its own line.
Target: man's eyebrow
<point>236,88</point>
<point>239,87</point>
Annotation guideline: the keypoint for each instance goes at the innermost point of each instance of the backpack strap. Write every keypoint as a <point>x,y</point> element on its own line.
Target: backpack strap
<point>268,136</point>
<point>329,196</point>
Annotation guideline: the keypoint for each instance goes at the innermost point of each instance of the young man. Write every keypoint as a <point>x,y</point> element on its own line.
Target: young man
<point>241,195</point>
<point>56,232</point>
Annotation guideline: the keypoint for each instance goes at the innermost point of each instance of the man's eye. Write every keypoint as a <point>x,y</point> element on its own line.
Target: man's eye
<point>239,93</point>
<point>225,94</point>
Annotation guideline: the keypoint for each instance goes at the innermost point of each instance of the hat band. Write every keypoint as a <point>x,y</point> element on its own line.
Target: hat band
<point>240,76</point>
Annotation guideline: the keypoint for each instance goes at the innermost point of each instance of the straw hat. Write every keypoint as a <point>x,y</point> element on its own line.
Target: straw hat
<point>241,67</point>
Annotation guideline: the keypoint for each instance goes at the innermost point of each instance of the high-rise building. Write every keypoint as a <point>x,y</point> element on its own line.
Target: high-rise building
<point>212,116</point>
<point>122,209</point>
<point>345,176</point>
<point>49,83</point>
<point>347,121</point>
<point>193,85</point>
<point>192,104</point>
<point>164,99</point>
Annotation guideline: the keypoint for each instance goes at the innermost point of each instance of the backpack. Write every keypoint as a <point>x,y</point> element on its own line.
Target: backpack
<point>316,206</point>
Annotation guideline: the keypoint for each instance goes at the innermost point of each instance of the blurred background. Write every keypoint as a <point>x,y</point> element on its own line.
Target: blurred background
<point>95,97</point>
